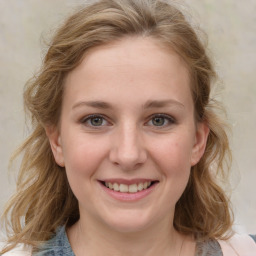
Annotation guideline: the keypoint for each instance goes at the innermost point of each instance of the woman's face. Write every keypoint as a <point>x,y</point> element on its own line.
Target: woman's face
<point>127,134</point>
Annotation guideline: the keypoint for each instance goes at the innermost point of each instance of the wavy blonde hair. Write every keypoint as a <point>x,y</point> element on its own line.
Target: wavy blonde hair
<point>44,200</point>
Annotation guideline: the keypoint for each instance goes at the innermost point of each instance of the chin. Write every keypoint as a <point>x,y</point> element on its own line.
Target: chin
<point>129,222</point>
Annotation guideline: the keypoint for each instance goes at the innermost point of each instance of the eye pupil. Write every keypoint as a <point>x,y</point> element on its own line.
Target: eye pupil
<point>97,121</point>
<point>158,121</point>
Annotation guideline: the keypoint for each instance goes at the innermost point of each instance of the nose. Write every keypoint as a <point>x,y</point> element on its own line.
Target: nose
<point>127,148</point>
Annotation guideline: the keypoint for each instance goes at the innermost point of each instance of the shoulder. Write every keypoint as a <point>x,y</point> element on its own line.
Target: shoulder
<point>57,245</point>
<point>238,244</point>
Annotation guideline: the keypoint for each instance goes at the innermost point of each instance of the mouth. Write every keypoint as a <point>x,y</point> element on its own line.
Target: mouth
<point>129,187</point>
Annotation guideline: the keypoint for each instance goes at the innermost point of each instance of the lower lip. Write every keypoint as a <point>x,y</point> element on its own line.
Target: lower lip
<point>128,196</point>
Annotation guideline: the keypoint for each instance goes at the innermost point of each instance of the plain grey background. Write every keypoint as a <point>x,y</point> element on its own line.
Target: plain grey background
<point>231,27</point>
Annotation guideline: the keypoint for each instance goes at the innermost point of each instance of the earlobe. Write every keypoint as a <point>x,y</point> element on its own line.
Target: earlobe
<point>202,133</point>
<point>53,135</point>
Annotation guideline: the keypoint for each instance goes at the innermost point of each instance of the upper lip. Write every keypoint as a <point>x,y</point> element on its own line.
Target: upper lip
<point>128,181</point>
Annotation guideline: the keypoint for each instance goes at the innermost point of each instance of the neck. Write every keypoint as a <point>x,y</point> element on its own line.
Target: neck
<point>91,238</point>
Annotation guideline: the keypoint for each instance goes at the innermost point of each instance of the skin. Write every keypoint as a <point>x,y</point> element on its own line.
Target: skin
<point>138,80</point>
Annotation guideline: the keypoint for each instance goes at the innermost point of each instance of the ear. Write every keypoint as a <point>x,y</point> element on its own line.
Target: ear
<point>202,132</point>
<point>53,135</point>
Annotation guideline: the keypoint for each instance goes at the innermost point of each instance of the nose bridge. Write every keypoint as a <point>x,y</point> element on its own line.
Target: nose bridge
<point>128,149</point>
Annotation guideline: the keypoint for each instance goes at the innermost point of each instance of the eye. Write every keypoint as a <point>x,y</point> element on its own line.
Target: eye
<point>161,120</point>
<point>94,121</point>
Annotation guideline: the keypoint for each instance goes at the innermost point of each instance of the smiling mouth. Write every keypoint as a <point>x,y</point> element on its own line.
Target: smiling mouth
<point>132,188</point>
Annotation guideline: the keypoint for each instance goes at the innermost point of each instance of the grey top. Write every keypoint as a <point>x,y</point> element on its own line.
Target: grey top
<point>60,246</point>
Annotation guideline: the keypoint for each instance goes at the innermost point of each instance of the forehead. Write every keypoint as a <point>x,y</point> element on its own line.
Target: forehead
<point>130,65</point>
<point>133,52</point>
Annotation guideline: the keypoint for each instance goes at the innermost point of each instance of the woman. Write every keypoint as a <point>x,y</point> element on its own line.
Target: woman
<point>126,144</point>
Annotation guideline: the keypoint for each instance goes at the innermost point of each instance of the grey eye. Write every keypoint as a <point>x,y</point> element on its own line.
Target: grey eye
<point>161,120</point>
<point>96,121</point>
<point>158,121</point>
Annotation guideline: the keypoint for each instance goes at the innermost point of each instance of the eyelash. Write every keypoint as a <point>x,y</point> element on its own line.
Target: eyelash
<point>170,120</point>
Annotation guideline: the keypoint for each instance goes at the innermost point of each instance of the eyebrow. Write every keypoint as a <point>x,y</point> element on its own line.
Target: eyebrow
<point>148,104</point>
<point>94,104</point>
<point>162,103</point>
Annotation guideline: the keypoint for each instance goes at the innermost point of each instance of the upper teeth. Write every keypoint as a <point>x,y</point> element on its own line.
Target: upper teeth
<point>124,188</point>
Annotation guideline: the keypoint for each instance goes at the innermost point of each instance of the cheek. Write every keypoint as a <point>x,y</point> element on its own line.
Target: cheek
<point>173,157</point>
<point>174,152</point>
<point>82,158</point>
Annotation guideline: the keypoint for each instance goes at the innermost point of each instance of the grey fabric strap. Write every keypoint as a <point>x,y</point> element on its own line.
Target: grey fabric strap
<point>253,237</point>
<point>57,246</point>
<point>208,248</point>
